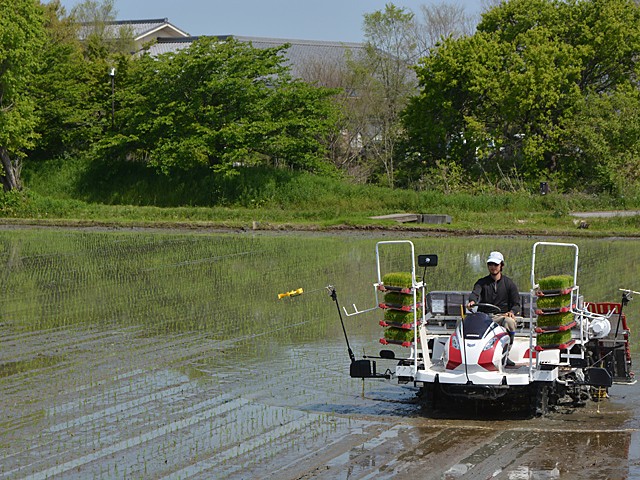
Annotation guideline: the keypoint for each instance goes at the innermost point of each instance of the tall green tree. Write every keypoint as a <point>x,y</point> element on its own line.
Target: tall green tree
<point>63,86</point>
<point>602,141</point>
<point>222,104</point>
<point>72,86</point>
<point>499,103</point>
<point>21,40</point>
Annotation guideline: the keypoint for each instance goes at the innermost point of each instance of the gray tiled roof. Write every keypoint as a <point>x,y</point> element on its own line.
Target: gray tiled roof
<point>143,27</point>
<point>301,51</point>
<point>298,53</point>
<point>139,28</point>
<point>165,45</point>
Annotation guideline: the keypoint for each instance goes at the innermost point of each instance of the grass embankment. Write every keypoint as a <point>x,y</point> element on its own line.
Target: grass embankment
<point>73,192</point>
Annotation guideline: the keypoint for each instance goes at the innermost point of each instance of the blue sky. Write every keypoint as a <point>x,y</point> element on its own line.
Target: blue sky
<point>339,20</point>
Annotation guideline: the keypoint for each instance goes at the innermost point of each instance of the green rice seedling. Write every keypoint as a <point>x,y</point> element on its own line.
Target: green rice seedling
<point>398,334</point>
<point>397,316</point>
<point>393,298</point>
<point>555,282</point>
<point>553,338</point>
<point>397,279</point>
<point>557,301</point>
<point>557,319</point>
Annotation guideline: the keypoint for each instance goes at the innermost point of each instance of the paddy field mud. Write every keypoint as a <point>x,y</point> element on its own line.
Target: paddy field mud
<point>117,398</point>
<point>114,404</point>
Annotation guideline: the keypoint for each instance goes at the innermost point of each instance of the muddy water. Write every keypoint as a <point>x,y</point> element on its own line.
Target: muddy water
<point>170,356</point>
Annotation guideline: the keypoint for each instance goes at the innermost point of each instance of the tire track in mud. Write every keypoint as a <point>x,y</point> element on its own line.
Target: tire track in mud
<point>92,400</point>
<point>476,453</point>
<point>503,448</point>
<point>218,461</point>
<point>88,357</point>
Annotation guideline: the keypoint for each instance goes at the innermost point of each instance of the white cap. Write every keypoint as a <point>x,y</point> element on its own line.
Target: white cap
<point>495,257</point>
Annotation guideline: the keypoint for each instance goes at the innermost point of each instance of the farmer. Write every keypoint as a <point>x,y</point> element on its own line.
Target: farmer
<point>499,290</point>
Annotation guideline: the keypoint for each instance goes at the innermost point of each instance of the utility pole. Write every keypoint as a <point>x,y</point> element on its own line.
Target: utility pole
<point>112,74</point>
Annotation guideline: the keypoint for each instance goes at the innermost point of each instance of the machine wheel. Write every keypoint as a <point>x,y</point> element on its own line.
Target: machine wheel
<point>430,395</point>
<point>539,396</point>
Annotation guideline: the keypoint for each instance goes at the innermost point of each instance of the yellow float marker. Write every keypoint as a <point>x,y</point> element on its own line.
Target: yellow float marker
<point>292,293</point>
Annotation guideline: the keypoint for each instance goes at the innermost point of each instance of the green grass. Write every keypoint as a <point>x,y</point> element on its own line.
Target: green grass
<point>394,298</point>
<point>399,334</point>
<point>75,191</point>
<point>396,316</point>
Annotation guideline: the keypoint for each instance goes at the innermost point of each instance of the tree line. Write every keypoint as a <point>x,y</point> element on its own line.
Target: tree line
<point>532,91</point>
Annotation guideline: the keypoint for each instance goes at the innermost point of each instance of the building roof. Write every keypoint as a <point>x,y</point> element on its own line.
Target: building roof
<point>167,44</point>
<point>142,28</point>
<point>298,54</point>
<point>142,31</point>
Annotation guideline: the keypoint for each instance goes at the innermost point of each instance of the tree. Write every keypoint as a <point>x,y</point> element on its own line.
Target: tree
<point>61,87</point>
<point>221,104</point>
<point>21,40</point>
<point>386,81</point>
<point>345,144</point>
<point>603,139</point>
<point>382,80</point>
<point>100,35</point>
<point>498,103</point>
<point>440,21</point>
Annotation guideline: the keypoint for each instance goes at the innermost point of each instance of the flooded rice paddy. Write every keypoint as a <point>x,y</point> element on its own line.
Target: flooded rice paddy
<point>169,355</point>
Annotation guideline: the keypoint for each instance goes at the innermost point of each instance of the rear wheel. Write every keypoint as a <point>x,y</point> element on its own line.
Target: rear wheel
<point>430,395</point>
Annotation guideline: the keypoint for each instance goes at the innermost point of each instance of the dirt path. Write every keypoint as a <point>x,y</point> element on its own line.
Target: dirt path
<point>606,214</point>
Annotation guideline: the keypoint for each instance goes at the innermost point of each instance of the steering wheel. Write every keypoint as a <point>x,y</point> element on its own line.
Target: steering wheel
<point>488,308</point>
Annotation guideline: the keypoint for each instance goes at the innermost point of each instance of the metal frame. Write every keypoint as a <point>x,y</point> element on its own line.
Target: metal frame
<point>575,296</point>
<point>415,286</point>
